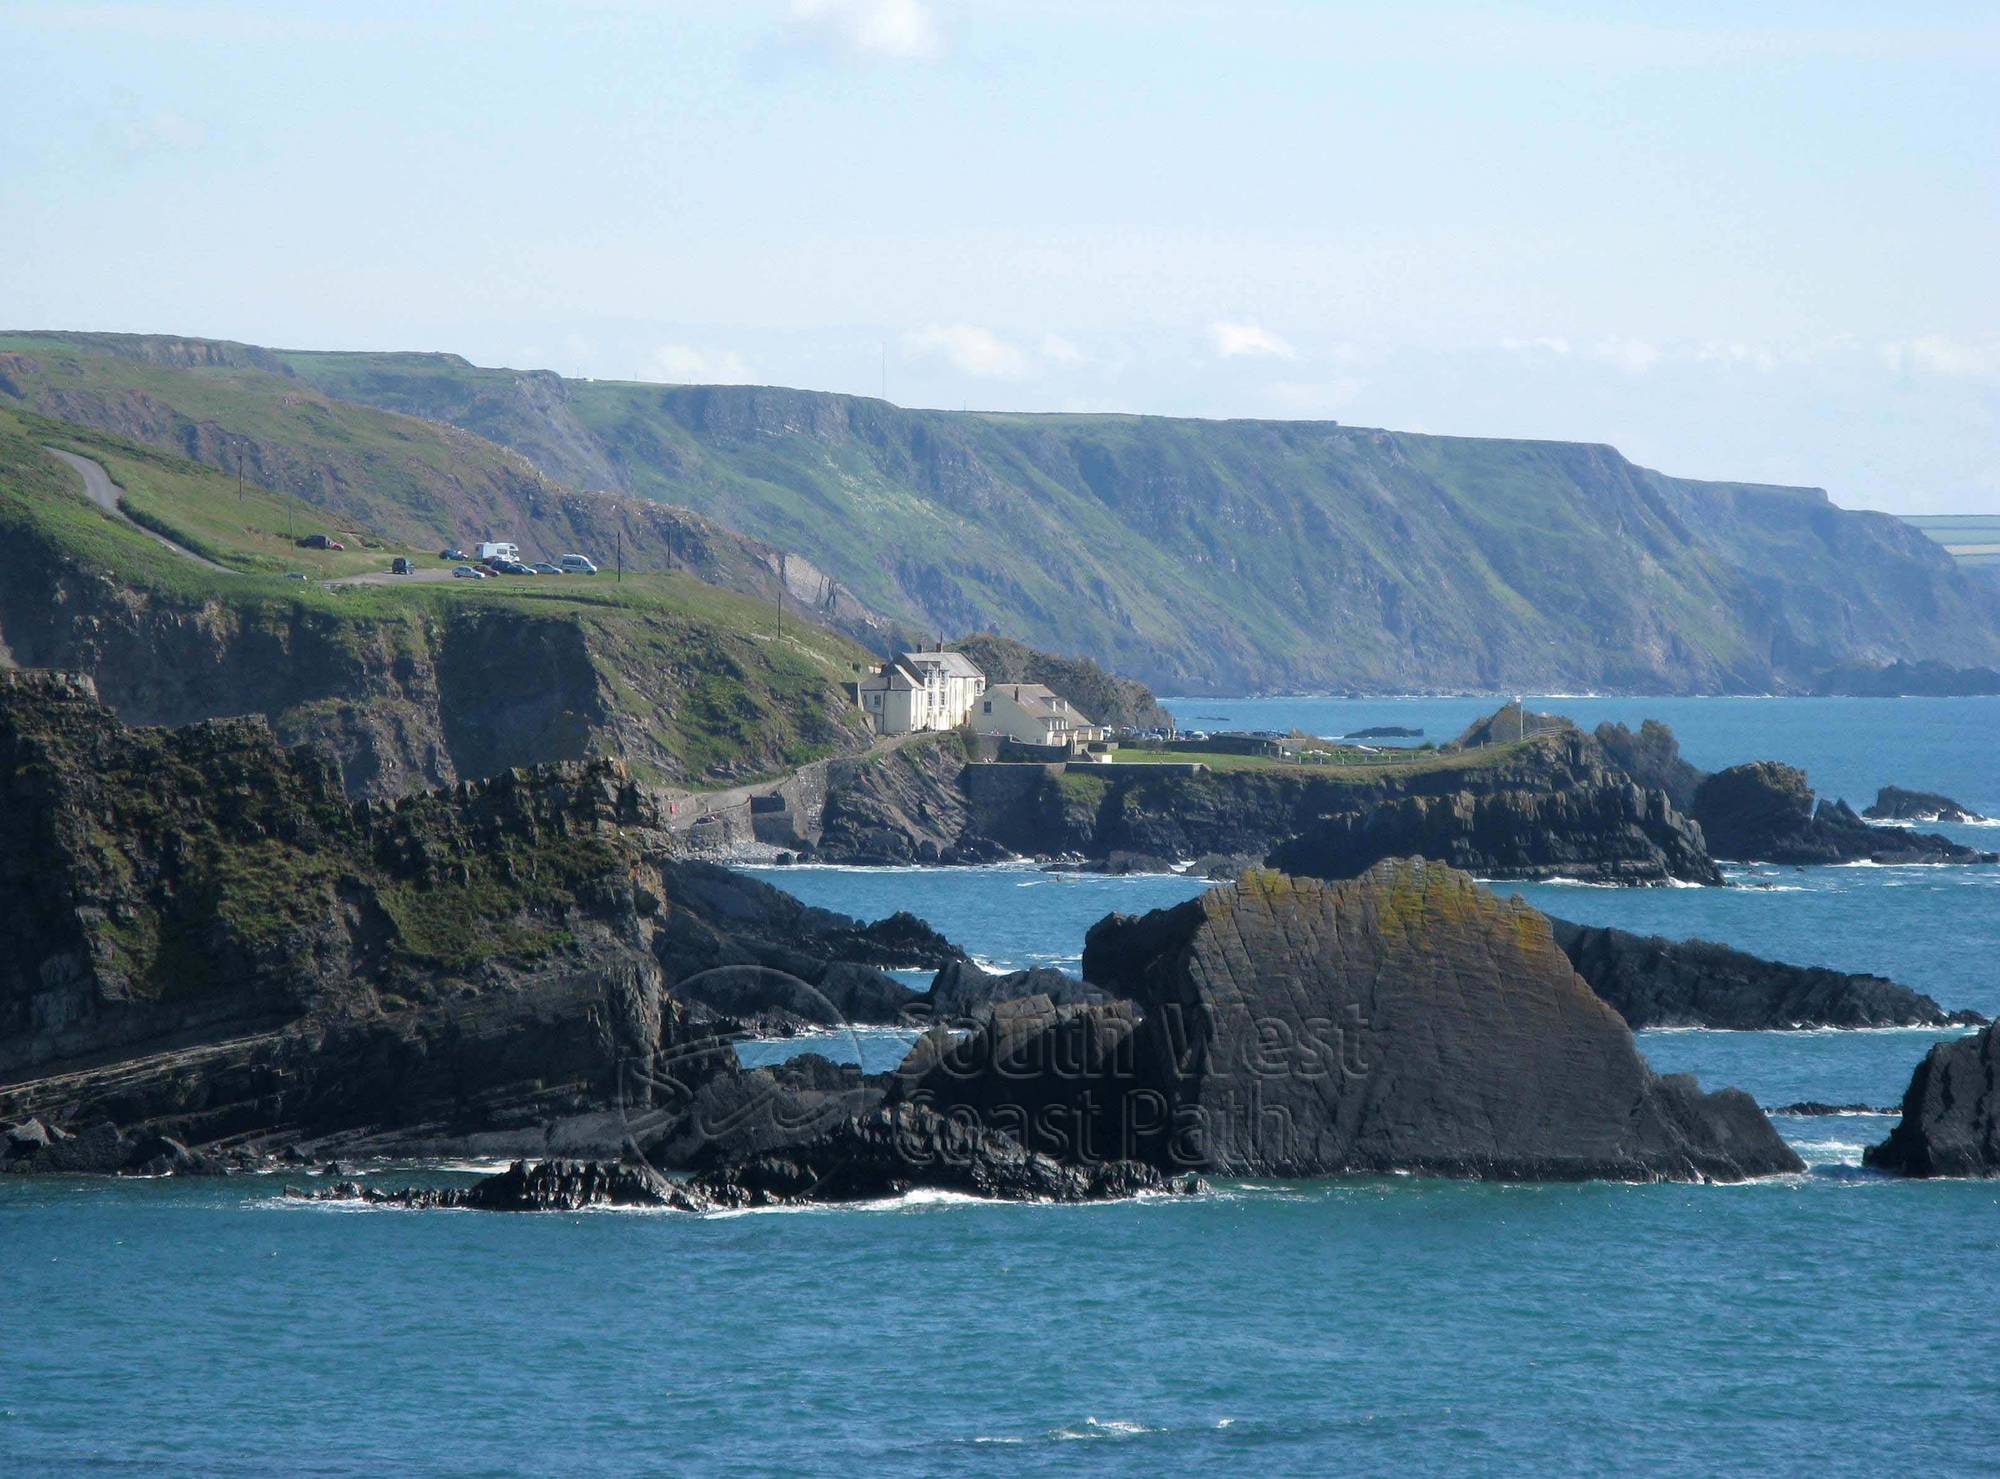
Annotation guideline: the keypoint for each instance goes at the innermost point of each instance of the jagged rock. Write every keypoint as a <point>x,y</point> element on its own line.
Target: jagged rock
<point>1894,804</point>
<point>208,941</point>
<point>903,1147</point>
<point>1951,1113</point>
<point>1405,1020</point>
<point>1763,811</point>
<point>739,1113</point>
<point>962,990</point>
<point>1654,982</point>
<point>1652,758</point>
<point>1609,832</point>
<point>1808,1108</point>
<point>552,1186</point>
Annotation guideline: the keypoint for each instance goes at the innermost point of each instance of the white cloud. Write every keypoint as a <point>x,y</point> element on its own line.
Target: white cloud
<point>1634,356</point>
<point>1933,354</point>
<point>973,350</point>
<point>898,30</point>
<point>1061,351</point>
<point>684,364</point>
<point>1730,352</point>
<point>1236,341</point>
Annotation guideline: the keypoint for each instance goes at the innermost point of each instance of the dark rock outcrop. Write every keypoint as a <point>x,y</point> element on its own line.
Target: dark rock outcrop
<point>551,1186</point>
<point>962,990</point>
<point>1605,832</point>
<point>1652,758</point>
<point>1764,812</point>
<point>1654,982</point>
<point>902,1147</point>
<point>1894,804</point>
<point>1407,1020</point>
<point>1902,679</point>
<point>1951,1113</point>
<point>207,940</point>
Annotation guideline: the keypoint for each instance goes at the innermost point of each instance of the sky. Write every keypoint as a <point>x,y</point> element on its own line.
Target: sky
<point>1755,243</point>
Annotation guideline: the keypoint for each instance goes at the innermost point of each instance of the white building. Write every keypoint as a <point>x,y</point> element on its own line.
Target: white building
<point>921,690</point>
<point>1033,715</point>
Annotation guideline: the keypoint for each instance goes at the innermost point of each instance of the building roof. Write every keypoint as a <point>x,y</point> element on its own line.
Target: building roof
<point>1042,702</point>
<point>952,664</point>
<point>891,675</point>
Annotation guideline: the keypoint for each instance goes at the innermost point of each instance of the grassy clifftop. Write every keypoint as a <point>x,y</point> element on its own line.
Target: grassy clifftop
<point>1230,556</point>
<point>1199,556</point>
<point>409,683</point>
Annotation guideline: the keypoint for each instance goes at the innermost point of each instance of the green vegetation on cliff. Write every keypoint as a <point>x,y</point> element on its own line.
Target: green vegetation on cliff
<point>408,682</point>
<point>1200,556</point>
<point>1234,556</point>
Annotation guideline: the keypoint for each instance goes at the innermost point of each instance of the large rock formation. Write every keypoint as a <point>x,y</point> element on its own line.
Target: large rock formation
<point>1764,812</point>
<point>1951,1113</point>
<point>207,940</point>
<point>1607,831</point>
<point>1655,982</point>
<point>1408,1020</point>
<point>1894,804</point>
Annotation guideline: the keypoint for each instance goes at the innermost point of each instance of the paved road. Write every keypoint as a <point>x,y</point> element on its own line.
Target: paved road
<point>691,807</point>
<point>99,488</point>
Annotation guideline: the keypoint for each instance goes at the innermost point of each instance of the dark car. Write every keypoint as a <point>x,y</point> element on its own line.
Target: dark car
<point>454,553</point>
<point>399,566</point>
<point>543,567</point>
<point>317,541</point>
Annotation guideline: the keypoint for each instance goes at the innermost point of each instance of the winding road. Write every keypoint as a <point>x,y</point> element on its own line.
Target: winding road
<point>100,490</point>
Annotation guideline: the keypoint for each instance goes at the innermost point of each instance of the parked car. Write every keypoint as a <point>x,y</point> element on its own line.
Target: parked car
<point>400,565</point>
<point>454,553</point>
<point>576,565</point>
<point>294,575</point>
<point>466,572</point>
<point>317,541</point>
<point>543,567</point>
<point>510,567</point>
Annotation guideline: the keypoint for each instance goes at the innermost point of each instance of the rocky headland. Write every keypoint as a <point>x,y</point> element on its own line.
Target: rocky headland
<point>1894,804</point>
<point>1653,982</point>
<point>1765,811</point>
<point>1951,1113</point>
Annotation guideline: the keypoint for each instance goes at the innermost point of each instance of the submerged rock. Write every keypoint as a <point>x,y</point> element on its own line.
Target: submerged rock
<point>1765,812</point>
<point>1951,1113</point>
<point>1407,1020</point>
<point>1894,804</point>
<point>1654,982</point>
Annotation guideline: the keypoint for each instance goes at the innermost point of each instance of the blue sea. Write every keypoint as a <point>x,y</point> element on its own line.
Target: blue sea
<point>1835,1322</point>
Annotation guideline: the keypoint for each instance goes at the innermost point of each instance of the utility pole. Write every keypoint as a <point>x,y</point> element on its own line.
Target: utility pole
<point>621,557</point>
<point>239,477</point>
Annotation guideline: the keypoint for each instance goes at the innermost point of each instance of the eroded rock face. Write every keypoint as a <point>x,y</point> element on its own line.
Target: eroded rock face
<point>1654,982</point>
<point>1603,831</point>
<point>1951,1113</point>
<point>1407,1020</point>
<point>206,939</point>
<point>1764,812</point>
<point>551,1186</point>
<point>1894,804</point>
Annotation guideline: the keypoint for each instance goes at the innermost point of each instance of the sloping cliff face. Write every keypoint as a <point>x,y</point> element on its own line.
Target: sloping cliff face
<point>1407,1020</point>
<point>207,940</point>
<point>1234,556</point>
<point>1951,1113</point>
<point>244,410</point>
<point>420,697</point>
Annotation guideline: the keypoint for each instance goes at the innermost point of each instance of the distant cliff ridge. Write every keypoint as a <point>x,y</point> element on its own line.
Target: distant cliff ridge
<point>1200,557</point>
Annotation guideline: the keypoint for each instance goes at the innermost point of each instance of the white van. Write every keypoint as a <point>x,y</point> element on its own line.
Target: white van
<point>498,552</point>
<point>576,565</point>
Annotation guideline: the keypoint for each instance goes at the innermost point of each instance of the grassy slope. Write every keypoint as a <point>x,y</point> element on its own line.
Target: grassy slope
<point>697,669</point>
<point>1229,556</point>
<point>1237,556</point>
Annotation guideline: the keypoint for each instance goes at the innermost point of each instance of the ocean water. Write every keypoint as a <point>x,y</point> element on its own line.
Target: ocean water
<point>1835,1322</point>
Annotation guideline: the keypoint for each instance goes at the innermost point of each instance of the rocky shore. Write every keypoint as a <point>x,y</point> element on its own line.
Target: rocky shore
<point>1951,1113</point>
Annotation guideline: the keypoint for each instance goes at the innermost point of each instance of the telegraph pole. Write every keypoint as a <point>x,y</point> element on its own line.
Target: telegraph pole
<point>620,578</point>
